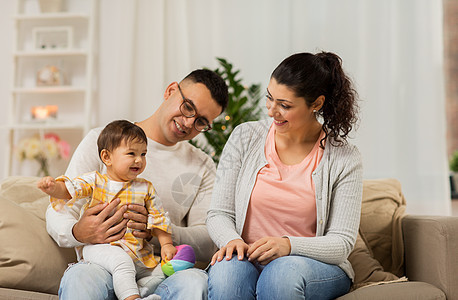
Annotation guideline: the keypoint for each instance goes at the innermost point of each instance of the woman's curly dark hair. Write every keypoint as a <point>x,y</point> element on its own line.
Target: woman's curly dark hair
<point>312,75</point>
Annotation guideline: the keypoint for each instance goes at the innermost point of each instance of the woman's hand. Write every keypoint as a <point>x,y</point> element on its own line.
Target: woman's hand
<point>267,249</point>
<point>95,227</point>
<point>237,245</point>
<point>138,216</point>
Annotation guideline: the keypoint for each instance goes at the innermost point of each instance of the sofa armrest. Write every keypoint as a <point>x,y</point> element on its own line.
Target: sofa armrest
<point>430,245</point>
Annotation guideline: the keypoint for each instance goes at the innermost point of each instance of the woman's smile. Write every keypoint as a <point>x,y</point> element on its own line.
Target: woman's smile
<point>280,123</point>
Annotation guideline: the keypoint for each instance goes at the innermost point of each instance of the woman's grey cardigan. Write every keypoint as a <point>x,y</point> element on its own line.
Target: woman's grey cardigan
<point>338,185</point>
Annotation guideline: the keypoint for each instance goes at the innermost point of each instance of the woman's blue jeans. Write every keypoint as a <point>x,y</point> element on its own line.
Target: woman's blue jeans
<point>90,281</point>
<point>287,277</point>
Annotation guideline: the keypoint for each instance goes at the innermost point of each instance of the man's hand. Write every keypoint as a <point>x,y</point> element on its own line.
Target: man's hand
<point>138,216</point>
<point>95,227</point>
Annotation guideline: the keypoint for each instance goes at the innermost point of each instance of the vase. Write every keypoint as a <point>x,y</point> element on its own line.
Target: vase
<point>44,168</point>
<point>47,6</point>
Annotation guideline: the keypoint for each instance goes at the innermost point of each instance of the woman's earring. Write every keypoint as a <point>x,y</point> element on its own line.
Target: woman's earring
<point>318,116</point>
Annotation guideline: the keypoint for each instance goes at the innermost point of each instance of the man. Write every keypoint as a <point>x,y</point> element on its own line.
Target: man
<point>183,177</point>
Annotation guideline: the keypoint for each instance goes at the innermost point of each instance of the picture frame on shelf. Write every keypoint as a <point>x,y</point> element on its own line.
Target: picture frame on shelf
<point>53,38</point>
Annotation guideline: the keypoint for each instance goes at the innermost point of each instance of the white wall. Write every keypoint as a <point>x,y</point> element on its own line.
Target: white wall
<point>392,49</point>
<point>6,33</point>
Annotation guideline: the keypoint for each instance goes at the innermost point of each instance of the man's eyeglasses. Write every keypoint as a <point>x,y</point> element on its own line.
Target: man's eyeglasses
<point>188,110</point>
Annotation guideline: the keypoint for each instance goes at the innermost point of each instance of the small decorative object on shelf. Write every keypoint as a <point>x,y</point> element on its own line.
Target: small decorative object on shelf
<point>50,76</point>
<point>47,6</point>
<point>43,113</point>
<point>43,149</point>
<point>52,38</point>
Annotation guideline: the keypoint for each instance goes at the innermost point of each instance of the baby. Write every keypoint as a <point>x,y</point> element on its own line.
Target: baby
<point>122,148</point>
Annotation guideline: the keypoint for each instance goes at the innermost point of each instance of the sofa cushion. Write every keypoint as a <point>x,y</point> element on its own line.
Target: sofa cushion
<point>378,252</point>
<point>22,190</point>
<point>411,290</point>
<point>11,294</point>
<point>367,269</point>
<point>383,207</point>
<point>30,259</point>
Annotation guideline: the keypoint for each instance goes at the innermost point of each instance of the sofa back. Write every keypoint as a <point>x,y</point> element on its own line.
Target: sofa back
<point>29,257</point>
<point>31,260</point>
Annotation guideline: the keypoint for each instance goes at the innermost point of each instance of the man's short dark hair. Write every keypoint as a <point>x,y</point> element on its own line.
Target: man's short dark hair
<point>118,131</point>
<point>214,83</point>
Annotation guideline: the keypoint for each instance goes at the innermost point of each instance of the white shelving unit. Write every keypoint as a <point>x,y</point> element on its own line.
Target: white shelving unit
<point>65,41</point>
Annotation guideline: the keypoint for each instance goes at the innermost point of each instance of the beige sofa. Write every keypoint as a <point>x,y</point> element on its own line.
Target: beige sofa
<point>391,248</point>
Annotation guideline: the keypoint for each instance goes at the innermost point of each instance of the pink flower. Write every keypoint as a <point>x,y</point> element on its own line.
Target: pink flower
<point>43,149</point>
<point>52,136</point>
<point>64,149</point>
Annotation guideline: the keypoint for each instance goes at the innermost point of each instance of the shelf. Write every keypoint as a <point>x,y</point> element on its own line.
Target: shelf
<point>45,53</point>
<point>63,39</point>
<point>44,125</point>
<point>49,90</point>
<point>50,16</point>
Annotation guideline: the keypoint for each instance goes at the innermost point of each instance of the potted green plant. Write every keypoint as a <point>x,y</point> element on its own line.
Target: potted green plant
<point>454,174</point>
<point>243,106</point>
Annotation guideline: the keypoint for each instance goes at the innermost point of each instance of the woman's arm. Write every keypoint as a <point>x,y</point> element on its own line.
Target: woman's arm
<point>221,215</point>
<point>342,222</point>
<point>344,210</point>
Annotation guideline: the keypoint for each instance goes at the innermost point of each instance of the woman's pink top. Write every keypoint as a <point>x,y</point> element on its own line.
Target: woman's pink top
<point>283,198</point>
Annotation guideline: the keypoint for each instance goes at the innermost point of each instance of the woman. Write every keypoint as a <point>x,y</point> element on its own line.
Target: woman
<point>287,197</point>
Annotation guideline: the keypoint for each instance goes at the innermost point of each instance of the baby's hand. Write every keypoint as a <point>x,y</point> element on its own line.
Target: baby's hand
<point>168,251</point>
<point>47,184</point>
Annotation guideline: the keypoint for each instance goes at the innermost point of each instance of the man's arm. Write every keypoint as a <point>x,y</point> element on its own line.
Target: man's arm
<point>85,158</point>
<point>60,224</point>
<point>94,226</point>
